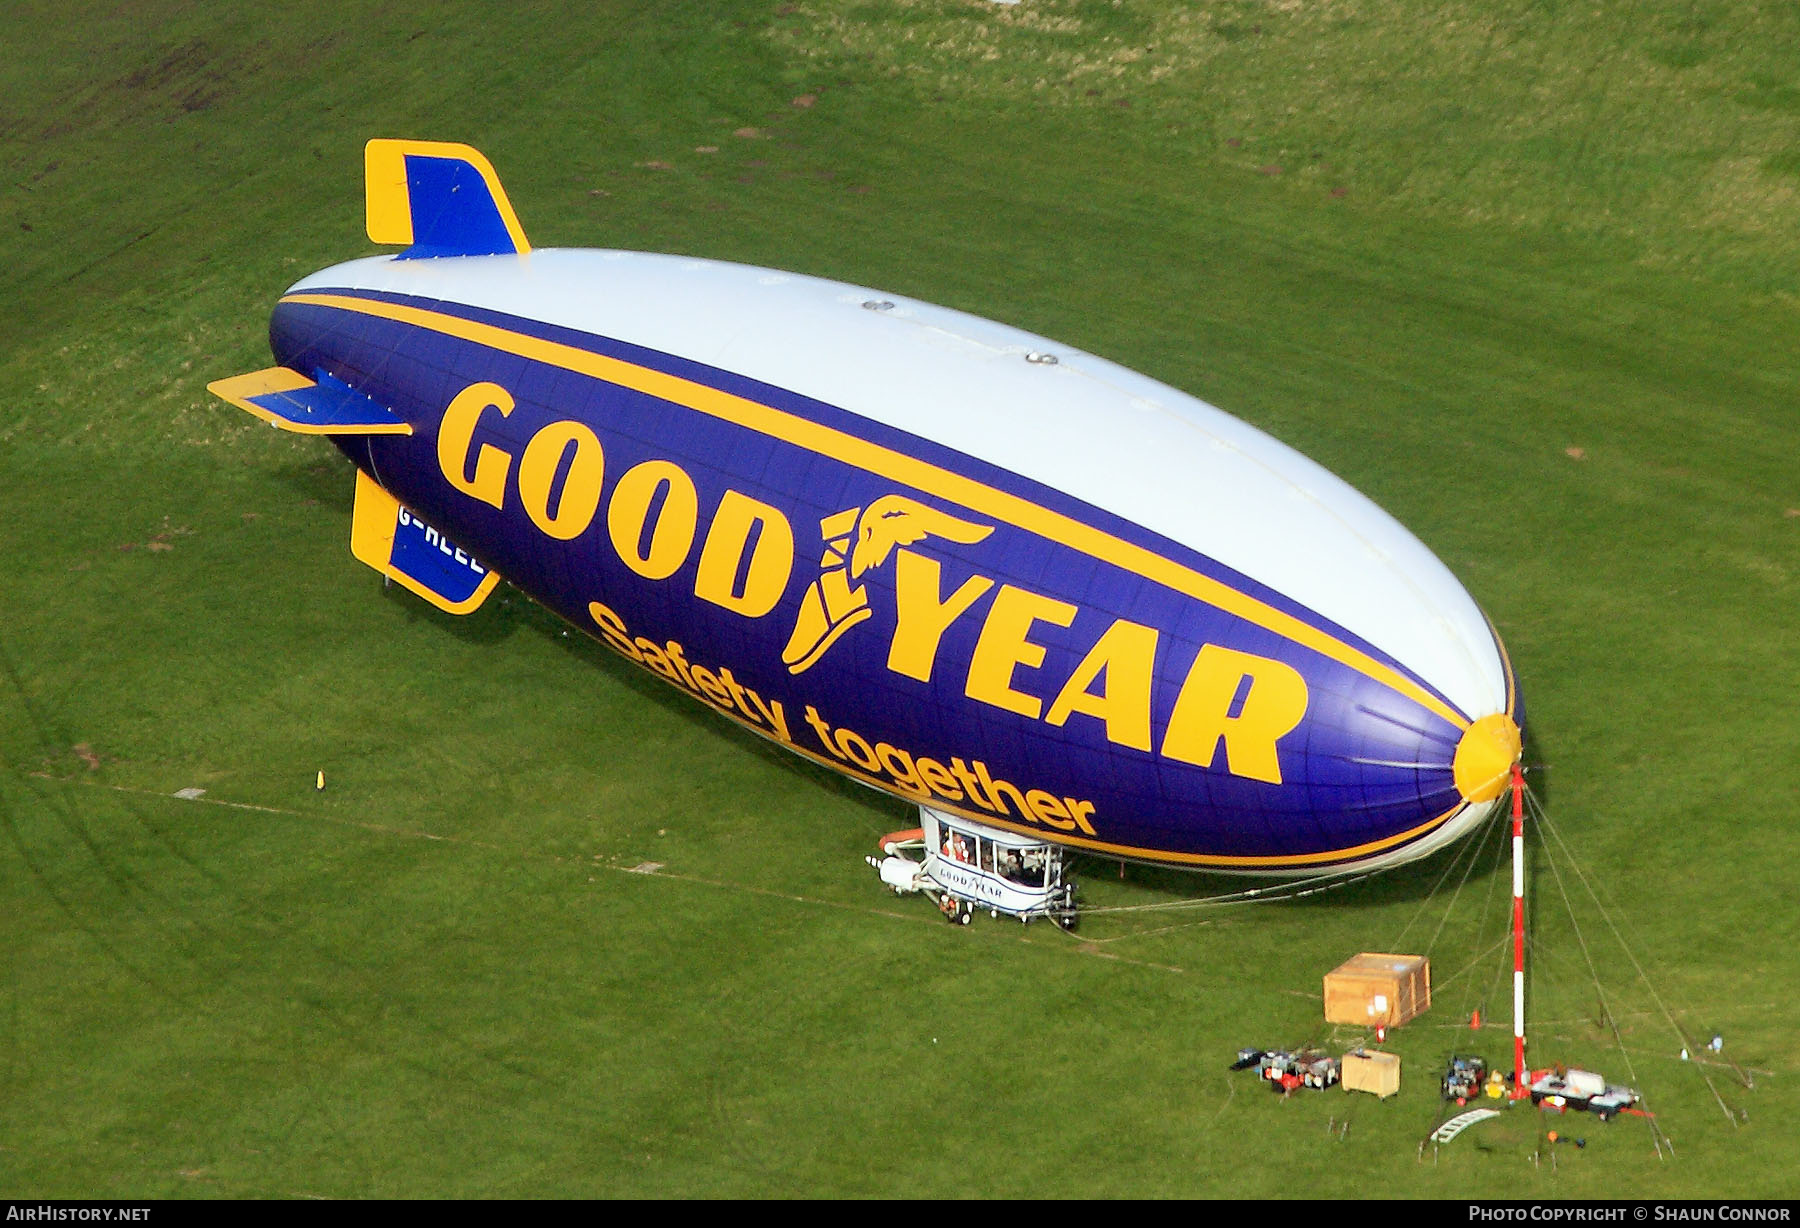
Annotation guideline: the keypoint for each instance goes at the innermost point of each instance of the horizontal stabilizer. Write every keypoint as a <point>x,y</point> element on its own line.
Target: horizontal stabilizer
<point>390,538</point>
<point>293,402</point>
<point>439,199</point>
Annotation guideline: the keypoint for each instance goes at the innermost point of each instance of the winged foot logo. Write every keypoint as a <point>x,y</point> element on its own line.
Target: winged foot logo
<point>831,606</point>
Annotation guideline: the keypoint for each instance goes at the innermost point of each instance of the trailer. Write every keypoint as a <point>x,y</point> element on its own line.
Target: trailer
<point>1583,1091</point>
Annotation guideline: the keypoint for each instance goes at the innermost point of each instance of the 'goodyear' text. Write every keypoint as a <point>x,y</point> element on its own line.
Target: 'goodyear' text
<point>1236,702</point>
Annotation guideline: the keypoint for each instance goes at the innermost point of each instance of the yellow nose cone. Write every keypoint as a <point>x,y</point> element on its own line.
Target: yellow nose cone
<point>1485,756</point>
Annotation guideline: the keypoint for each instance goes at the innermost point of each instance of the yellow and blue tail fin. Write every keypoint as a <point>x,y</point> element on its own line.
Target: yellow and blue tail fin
<point>436,199</point>
<point>391,538</point>
<point>285,398</point>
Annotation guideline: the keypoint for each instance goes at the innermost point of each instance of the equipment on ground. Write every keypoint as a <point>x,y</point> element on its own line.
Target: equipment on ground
<point>1378,991</point>
<point>1465,1078</point>
<point>1286,1070</point>
<point>1583,1091</point>
<point>1370,1070</point>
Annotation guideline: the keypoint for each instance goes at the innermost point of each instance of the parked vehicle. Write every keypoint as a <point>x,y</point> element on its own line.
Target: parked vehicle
<point>1582,1090</point>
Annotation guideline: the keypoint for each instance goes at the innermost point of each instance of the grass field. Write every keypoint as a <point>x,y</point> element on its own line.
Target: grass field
<point>1525,272</point>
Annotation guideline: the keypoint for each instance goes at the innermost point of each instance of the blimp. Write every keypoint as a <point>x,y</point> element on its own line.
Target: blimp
<point>1051,602</point>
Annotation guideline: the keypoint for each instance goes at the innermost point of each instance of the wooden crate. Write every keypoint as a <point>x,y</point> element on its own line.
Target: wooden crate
<point>1369,1070</point>
<point>1374,990</point>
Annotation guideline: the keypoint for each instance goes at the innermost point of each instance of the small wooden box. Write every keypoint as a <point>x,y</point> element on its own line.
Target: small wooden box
<point>1368,1070</point>
<point>1374,990</point>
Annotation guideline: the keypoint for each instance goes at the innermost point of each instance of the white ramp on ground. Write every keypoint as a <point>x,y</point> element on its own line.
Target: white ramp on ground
<point>1462,1121</point>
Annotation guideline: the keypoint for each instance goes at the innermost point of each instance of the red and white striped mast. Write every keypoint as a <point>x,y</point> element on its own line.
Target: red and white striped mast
<point>1521,1083</point>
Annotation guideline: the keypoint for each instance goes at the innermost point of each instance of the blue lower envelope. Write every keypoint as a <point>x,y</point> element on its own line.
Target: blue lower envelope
<point>386,535</point>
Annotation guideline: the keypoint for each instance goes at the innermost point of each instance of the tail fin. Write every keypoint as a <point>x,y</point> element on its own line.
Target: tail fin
<point>285,398</point>
<point>394,541</point>
<point>438,199</point>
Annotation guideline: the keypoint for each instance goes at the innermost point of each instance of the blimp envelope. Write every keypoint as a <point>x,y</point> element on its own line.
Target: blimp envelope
<point>958,562</point>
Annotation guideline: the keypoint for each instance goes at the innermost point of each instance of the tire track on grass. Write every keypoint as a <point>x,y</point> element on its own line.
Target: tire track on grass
<point>639,868</point>
<point>216,954</point>
<point>38,867</point>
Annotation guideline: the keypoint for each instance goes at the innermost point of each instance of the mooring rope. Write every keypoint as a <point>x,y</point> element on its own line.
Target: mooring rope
<point>1541,817</point>
<point>1272,894</point>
